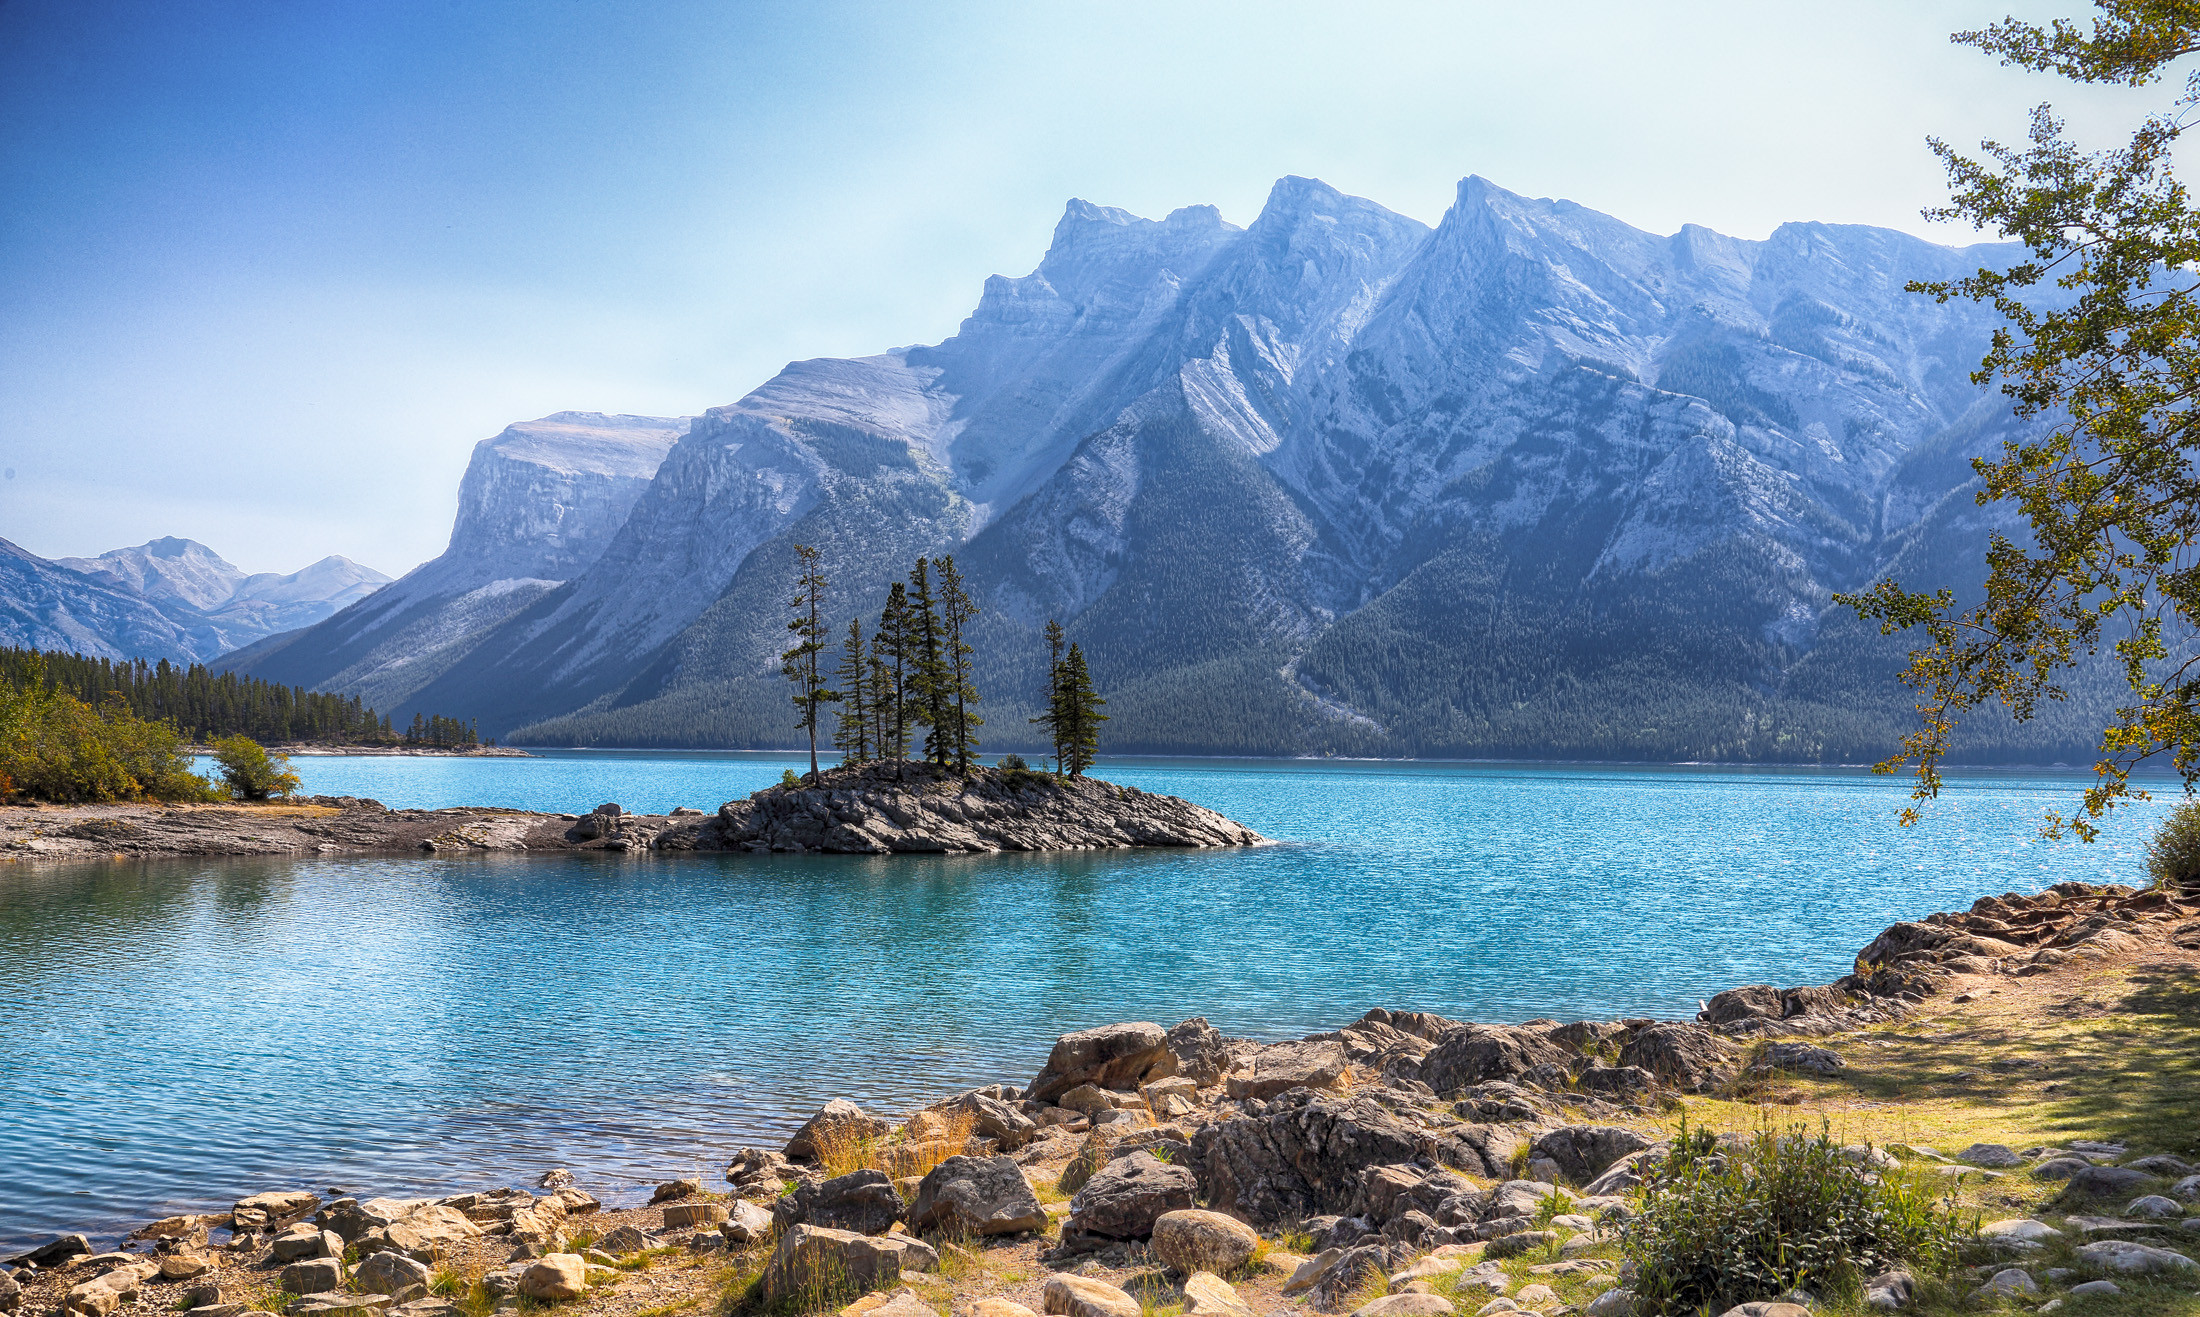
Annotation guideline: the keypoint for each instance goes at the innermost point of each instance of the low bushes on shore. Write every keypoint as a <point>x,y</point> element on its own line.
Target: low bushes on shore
<point>55,747</point>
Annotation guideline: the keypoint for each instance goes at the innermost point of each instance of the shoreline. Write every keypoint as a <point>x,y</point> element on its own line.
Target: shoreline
<point>318,749</point>
<point>1573,1104</point>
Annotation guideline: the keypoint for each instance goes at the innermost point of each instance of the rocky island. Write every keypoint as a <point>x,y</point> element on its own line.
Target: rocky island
<point>2024,1063</point>
<point>873,809</point>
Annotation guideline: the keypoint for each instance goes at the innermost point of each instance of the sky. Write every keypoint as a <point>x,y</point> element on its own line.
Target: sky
<point>268,271</point>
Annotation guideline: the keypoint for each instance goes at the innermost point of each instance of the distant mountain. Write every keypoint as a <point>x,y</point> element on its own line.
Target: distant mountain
<point>537,506</point>
<point>1533,482</point>
<point>204,605</point>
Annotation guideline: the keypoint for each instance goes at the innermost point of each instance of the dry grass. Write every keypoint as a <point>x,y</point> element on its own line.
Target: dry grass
<point>928,1139</point>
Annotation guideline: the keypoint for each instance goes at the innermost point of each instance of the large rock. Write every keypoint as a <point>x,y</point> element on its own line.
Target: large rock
<point>54,1252</point>
<point>393,1274</point>
<point>2124,1255</point>
<point>1286,1066</point>
<point>428,1232</point>
<point>746,1223</point>
<point>813,1264</point>
<point>991,1118</point>
<point>1203,1055</point>
<point>1308,1160</point>
<point>1584,1152</point>
<point>863,1201</point>
<point>2107,1181</point>
<point>1125,1199</point>
<point>1353,1275</point>
<point>977,1196</point>
<point>262,1211</point>
<point>557,1276</point>
<point>1406,1305</point>
<point>1209,1295</point>
<point>1688,1057</point>
<point>1755,1001</point>
<point>1193,1240</point>
<point>1117,1056</point>
<point>1805,1059</point>
<point>1078,1296</point>
<point>313,1275</point>
<point>1477,1053</point>
<point>838,1119</point>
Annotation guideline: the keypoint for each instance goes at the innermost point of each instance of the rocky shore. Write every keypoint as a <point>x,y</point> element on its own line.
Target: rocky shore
<point>869,810</point>
<point>1404,1165</point>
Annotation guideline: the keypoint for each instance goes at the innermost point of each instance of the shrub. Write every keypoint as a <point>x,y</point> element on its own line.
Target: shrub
<point>1012,763</point>
<point>1717,1229</point>
<point>250,772</point>
<point>788,779</point>
<point>55,747</point>
<point>2173,857</point>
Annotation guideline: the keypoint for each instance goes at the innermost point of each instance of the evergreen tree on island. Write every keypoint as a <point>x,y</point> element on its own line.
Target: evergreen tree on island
<point>890,652</point>
<point>1053,719</point>
<point>800,664</point>
<point>1081,706</point>
<point>957,609</point>
<point>931,697</point>
<point>852,734</point>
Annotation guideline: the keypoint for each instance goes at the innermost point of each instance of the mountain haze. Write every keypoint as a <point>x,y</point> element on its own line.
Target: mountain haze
<point>1532,482</point>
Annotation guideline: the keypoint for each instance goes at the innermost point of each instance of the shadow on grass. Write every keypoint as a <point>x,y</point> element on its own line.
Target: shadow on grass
<point>2150,1096</point>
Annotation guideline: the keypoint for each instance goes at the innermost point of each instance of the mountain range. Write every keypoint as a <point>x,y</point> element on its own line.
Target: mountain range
<point>1533,482</point>
<point>168,598</point>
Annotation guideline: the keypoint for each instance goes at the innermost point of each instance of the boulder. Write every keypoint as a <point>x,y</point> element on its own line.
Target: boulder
<point>897,1303</point>
<point>1890,1289</point>
<point>1117,1056</point>
<point>556,1276</point>
<point>54,1252</point>
<point>759,1173</point>
<point>1613,1303</point>
<point>2059,1168</point>
<point>838,1119</point>
<point>1202,1054</point>
<point>2161,1164</point>
<point>2124,1255</point>
<point>1477,1053</point>
<point>1406,1305</point>
<point>2153,1205</point>
<point>1305,1160</point>
<point>1191,1240</point>
<point>746,1223</point>
<point>279,1208</point>
<point>2104,1288</point>
<point>2019,1230</point>
<point>1804,1059</point>
<point>2008,1283</point>
<point>863,1201</point>
<point>1584,1152</point>
<point>1209,1295</point>
<point>184,1266</point>
<point>2187,1188</point>
<point>427,1232</point>
<point>1286,1066</point>
<point>1518,1242</point>
<point>1079,1296</point>
<point>1756,1001</point>
<point>993,1119</point>
<point>1688,1057</point>
<point>306,1240</point>
<point>1125,1199</point>
<point>1992,1156</point>
<point>313,1275</point>
<point>1535,1296</point>
<point>394,1274</point>
<point>815,1263</point>
<point>977,1196</point>
<point>996,1307</point>
<point>686,1216</point>
<point>674,1190</point>
<point>2107,1181</point>
<point>1354,1273</point>
<point>11,1294</point>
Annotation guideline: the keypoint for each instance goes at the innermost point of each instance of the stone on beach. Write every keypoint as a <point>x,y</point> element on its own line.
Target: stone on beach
<point>1078,1296</point>
<point>555,1276</point>
<point>1191,1240</point>
<point>977,1196</point>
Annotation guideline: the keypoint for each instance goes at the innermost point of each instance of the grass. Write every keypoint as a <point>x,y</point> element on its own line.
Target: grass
<point>645,1259</point>
<point>928,1139</point>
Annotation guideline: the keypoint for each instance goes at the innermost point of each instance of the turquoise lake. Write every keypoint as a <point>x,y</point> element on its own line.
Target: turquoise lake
<point>180,1033</point>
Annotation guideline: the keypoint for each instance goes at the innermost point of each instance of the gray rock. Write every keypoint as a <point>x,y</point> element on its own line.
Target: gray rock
<point>1203,1055</point>
<point>1584,1152</point>
<point>993,1119</point>
<point>305,1240</point>
<point>393,1274</point>
<point>2124,1255</point>
<point>2010,1281</point>
<point>679,1216</point>
<point>863,1201</point>
<point>1113,1056</point>
<point>2187,1188</point>
<point>2107,1181</point>
<point>1192,1240</point>
<point>1890,1289</point>
<point>54,1252</point>
<point>1352,1272</point>
<point>2105,1288</point>
<point>838,1118</point>
<point>1081,1296</point>
<point>2060,1168</point>
<point>11,1294</point>
<point>313,1275</point>
<point>2161,1164</point>
<point>1611,1303</point>
<point>1688,1057</point>
<point>976,1196</point>
<point>1477,1053</point>
<point>674,1190</point>
<point>1285,1066</point>
<point>746,1223</point>
<point>1125,1199</point>
<point>1518,1242</point>
<point>1992,1156</point>
<point>813,1265</point>
<point>2153,1205</point>
<point>1804,1059</point>
<point>633,1239</point>
<point>1305,1160</point>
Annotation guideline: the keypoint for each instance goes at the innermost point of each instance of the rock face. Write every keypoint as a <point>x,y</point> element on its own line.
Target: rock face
<point>900,807</point>
<point>1286,1066</point>
<point>1478,1053</point>
<point>1114,1056</point>
<point>1307,1160</point>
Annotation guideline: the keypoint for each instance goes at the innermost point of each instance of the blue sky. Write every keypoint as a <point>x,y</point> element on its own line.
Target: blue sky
<point>269,270</point>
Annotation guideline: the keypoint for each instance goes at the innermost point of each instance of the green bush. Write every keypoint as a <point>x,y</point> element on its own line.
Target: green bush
<point>250,772</point>
<point>2173,857</point>
<point>1717,1228</point>
<point>55,747</point>
<point>1013,764</point>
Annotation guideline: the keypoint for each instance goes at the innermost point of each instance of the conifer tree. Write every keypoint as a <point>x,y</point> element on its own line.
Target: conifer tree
<point>1053,719</point>
<point>890,645</point>
<point>884,698</point>
<point>800,664</point>
<point>1081,739</point>
<point>931,697</point>
<point>957,609</point>
<point>852,734</point>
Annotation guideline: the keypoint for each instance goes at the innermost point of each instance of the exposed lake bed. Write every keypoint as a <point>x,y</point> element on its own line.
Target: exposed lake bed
<point>189,1029</point>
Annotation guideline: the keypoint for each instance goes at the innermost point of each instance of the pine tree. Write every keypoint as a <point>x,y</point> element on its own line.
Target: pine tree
<point>931,698</point>
<point>957,609</point>
<point>1053,719</point>
<point>890,645</point>
<point>800,664</point>
<point>884,702</point>
<point>853,733</point>
<point>1081,739</point>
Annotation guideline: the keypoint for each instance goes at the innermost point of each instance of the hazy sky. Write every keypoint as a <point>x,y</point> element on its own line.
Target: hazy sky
<point>269,270</point>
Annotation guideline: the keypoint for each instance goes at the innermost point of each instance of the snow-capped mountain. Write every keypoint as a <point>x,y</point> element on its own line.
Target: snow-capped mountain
<point>1531,482</point>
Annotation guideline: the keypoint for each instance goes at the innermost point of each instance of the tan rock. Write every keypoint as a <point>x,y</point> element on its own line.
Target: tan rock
<point>995,1307</point>
<point>680,1215</point>
<point>1193,1239</point>
<point>1077,1296</point>
<point>557,1276</point>
<point>889,1303</point>
<point>1536,1296</point>
<point>1407,1305</point>
<point>813,1264</point>
<point>1209,1295</point>
<point>184,1266</point>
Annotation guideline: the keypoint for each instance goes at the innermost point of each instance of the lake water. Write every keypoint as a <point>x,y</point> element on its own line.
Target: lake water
<point>176,1034</point>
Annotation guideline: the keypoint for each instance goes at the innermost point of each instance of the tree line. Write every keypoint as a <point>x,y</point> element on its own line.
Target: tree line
<point>916,671</point>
